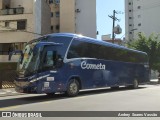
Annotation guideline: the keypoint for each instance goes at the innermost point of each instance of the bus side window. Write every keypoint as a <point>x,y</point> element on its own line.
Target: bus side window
<point>48,61</point>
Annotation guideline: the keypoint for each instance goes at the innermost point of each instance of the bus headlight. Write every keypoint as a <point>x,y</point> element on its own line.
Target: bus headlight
<point>33,80</point>
<point>21,84</point>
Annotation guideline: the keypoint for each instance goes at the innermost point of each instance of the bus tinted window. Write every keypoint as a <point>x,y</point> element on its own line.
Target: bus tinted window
<point>81,49</point>
<point>59,39</point>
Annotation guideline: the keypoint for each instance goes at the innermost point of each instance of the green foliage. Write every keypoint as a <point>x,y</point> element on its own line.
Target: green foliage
<point>151,46</point>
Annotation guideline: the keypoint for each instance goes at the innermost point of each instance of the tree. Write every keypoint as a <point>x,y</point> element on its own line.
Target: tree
<point>151,46</point>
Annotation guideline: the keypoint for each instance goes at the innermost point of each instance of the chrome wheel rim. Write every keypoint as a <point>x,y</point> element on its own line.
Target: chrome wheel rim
<point>135,83</point>
<point>73,88</point>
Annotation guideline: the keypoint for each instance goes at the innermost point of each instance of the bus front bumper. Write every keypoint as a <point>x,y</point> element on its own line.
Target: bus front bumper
<point>25,87</point>
<point>38,87</point>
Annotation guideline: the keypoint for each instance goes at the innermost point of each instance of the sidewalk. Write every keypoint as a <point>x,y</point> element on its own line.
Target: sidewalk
<point>12,92</point>
<point>8,92</point>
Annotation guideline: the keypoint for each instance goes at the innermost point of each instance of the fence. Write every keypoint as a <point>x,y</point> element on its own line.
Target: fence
<point>7,75</point>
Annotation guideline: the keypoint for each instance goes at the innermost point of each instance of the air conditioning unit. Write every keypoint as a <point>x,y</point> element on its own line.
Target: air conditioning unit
<point>13,25</point>
<point>77,10</point>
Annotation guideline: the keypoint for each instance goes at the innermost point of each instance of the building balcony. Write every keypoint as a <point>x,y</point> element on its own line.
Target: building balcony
<point>12,11</point>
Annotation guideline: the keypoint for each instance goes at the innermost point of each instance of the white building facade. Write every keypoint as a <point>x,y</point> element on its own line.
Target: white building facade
<point>78,16</point>
<point>20,22</point>
<point>141,16</point>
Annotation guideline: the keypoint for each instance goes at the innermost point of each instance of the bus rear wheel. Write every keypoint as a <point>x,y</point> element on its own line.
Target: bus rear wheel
<point>50,94</point>
<point>135,84</point>
<point>72,88</point>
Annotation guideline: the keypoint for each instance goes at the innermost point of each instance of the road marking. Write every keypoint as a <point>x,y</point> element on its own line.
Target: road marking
<point>8,108</point>
<point>46,102</point>
<point>17,106</point>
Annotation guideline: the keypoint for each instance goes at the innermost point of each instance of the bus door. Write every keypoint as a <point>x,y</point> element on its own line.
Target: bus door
<point>47,64</point>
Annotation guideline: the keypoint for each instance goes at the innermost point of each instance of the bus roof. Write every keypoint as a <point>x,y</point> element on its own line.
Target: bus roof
<point>96,41</point>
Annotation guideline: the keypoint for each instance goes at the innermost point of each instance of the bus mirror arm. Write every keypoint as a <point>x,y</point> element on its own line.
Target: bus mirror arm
<point>59,62</point>
<point>15,53</point>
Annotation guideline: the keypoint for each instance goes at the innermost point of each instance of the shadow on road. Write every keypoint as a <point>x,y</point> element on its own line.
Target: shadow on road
<point>44,98</point>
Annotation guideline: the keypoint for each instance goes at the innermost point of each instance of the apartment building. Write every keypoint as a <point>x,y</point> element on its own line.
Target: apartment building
<point>55,15</point>
<point>75,16</point>
<point>141,16</point>
<point>20,22</point>
<point>24,20</point>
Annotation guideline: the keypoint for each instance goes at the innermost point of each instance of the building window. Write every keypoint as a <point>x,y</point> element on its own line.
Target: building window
<point>57,27</point>
<point>139,24</point>
<point>21,25</point>
<point>51,14</point>
<point>6,24</point>
<point>130,3</point>
<point>130,10</point>
<point>52,27</point>
<point>130,32</point>
<point>139,7</point>
<point>130,17</point>
<point>139,16</point>
<point>57,14</point>
<point>130,24</point>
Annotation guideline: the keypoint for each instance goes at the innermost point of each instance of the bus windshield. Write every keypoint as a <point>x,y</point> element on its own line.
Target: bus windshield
<point>43,56</point>
<point>28,62</point>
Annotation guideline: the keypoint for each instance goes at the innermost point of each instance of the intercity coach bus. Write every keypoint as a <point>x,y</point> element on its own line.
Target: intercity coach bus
<point>68,63</point>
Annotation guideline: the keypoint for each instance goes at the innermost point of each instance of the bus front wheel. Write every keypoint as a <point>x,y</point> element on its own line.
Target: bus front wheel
<point>72,88</point>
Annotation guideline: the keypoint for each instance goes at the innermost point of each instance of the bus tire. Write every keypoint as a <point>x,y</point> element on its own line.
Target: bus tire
<point>135,84</point>
<point>50,94</point>
<point>72,88</point>
<point>115,87</point>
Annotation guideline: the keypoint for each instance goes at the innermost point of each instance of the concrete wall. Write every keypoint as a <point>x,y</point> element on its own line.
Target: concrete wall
<point>46,18</point>
<point>13,36</point>
<point>3,3</point>
<point>41,17</point>
<point>55,20</point>
<point>27,4</point>
<point>86,18</point>
<point>38,21</point>
<point>17,36</point>
<point>67,16</point>
<point>145,19</point>
<point>82,22</point>
<point>37,17</point>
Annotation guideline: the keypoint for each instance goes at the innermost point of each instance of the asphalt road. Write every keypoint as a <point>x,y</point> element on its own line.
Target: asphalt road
<point>146,98</point>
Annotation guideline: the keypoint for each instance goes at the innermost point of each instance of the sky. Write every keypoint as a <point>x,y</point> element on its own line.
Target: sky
<point>104,23</point>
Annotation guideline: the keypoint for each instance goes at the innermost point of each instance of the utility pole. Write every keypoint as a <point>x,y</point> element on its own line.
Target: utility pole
<point>114,19</point>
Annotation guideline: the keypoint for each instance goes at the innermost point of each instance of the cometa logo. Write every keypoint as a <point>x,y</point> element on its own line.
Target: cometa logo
<point>100,66</point>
